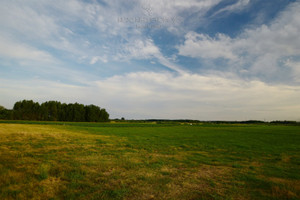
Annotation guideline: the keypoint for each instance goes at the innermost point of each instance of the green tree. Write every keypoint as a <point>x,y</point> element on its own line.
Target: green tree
<point>78,112</point>
<point>104,116</point>
<point>17,110</point>
<point>54,111</point>
<point>92,113</point>
<point>26,110</point>
<point>52,107</point>
<point>1,108</point>
<point>63,112</point>
<point>43,112</point>
<point>5,113</point>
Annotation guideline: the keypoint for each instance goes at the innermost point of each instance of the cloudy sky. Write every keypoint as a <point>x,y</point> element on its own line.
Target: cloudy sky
<point>195,59</point>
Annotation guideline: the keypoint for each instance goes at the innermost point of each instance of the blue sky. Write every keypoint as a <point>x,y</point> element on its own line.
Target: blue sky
<point>192,59</point>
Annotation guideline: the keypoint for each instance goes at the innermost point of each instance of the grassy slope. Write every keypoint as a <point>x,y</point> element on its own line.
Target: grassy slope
<point>146,161</point>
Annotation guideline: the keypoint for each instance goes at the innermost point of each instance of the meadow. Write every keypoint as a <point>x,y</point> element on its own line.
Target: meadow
<point>148,161</point>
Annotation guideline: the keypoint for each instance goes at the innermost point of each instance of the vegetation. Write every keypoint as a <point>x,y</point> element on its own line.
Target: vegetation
<point>54,111</point>
<point>149,161</point>
<point>5,113</point>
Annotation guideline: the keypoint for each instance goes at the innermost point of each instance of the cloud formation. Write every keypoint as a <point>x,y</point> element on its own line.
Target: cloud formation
<point>153,59</point>
<point>203,46</point>
<point>164,95</point>
<point>260,50</point>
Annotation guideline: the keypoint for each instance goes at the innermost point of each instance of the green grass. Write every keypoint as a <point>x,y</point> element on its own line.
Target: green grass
<point>57,160</point>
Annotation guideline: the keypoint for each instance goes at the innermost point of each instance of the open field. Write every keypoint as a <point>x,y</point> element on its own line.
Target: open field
<point>149,161</point>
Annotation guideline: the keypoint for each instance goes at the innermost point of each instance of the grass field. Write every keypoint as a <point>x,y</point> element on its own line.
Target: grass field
<point>149,161</point>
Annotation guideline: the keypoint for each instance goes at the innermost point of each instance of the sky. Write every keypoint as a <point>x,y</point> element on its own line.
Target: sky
<point>163,59</point>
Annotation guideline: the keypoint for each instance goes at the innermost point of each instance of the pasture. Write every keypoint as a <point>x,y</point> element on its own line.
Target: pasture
<point>149,161</point>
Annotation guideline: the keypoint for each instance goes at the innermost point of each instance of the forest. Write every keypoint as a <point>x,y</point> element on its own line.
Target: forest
<point>54,111</point>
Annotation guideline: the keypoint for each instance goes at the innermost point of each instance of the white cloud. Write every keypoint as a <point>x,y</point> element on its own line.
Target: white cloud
<point>164,95</point>
<point>141,49</point>
<point>89,32</point>
<point>259,48</point>
<point>238,6</point>
<point>38,90</point>
<point>173,8</point>
<point>24,19</point>
<point>53,24</point>
<point>149,94</point>
<point>295,67</point>
<point>95,59</point>
<point>202,46</point>
<point>34,24</point>
<point>176,14</point>
<point>19,51</point>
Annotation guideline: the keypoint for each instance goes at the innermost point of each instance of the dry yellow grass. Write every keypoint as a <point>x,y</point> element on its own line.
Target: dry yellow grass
<point>58,162</point>
<point>26,145</point>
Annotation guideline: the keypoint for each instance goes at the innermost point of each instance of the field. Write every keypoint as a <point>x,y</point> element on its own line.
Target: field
<point>149,161</point>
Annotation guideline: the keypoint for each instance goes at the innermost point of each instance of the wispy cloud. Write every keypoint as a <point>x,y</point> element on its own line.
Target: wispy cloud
<point>258,51</point>
<point>236,7</point>
<point>203,46</point>
<point>121,55</point>
<point>165,95</point>
<point>141,49</point>
<point>19,51</point>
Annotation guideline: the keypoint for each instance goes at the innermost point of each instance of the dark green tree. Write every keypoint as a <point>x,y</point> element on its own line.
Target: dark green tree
<point>5,113</point>
<point>104,116</point>
<point>78,112</point>
<point>43,112</point>
<point>54,111</point>
<point>63,112</point>
<point>25,110</point>
<point>52,108</point>
<point>91,113</point>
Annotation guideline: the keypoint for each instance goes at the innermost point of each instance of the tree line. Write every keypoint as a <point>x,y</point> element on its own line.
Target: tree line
<point>54,111</point>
